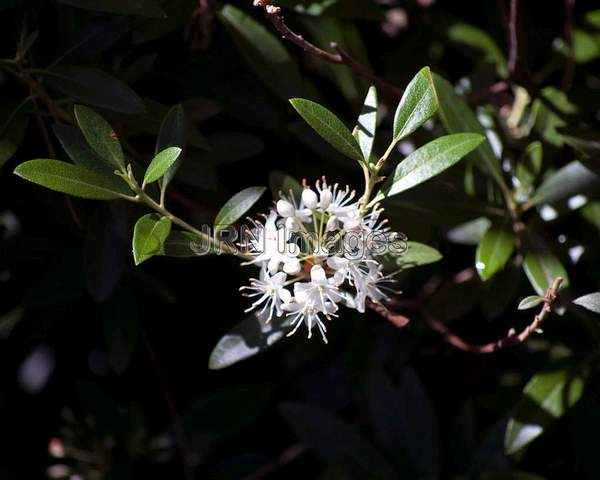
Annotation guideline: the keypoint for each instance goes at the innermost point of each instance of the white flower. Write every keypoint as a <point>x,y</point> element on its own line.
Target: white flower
<point>310,198</point>
<point>288,208</point>
<point>369,286</point>
<point>271,291</point>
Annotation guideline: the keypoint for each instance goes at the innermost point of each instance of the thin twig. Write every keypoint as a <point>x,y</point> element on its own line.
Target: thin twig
<point>341,57</point>
<point>287,456</point>
<point>394,318</point>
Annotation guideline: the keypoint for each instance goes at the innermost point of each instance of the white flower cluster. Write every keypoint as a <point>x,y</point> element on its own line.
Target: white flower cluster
<point>324,248</point>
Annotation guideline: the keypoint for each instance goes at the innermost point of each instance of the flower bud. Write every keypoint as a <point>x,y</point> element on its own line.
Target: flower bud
<point>326,197</point>
<point>285,208</point>
<point>310,198</point>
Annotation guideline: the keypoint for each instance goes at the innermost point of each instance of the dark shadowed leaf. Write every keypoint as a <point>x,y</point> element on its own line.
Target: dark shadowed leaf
<point>493,251</point>
<point>149,235</point>
<point>249,337</point>
<point>336,442</point>
<point>284,183</point>
<point>587,142</point>
<point>428,161</point>
<point>96,88</point>
<point>237,206</point>
<point>161,163</point>
<point>530,302</point>
<point>365,128</point>
<point>572,179</point>
<point>121,327</point>
<point>417,105</point>
<point>263,51</point>
<point>172,133</point>
<point>79,151</point>
<point>404,422</point>
<point>328,126</point>
<point>591,301</point>
<point>584,431</point>
<point>546,398</point>
<point>100,136</point>
<point>185,244</point>
<point>528,168</point>
<point>141,8</point>
<point>71,179</point>
<point>12,131</point>
<point>458,117</point>
<point>231,147</point>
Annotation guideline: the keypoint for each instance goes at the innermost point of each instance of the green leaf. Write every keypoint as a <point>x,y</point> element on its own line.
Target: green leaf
<point>161,163</point>
<point>121,327</point>
<point>591,301</point>
<point>457,117</point>
<point>591,212</point>
<point>587,142</point>
<point>474,37</point>
<point>415,255</point>
<point>71,179</point>
<point>249,337</point>
<point>172,133</point>
<point>336,442</point>
<point>528,168</point>
<point>237,205</point>
<point>284,183</point>
<point>542,266</point>
<point>149,235</point>
<point>572,179</point>
<point>141,8</point>
<point>547,121</point>
<point>328,126</point>
<point>417,105</point>
<point>79,151</point>
<point>12,131</point>
<point>185,244</point>
<point>263,51</point>
<point>97,88</point>
<point>365,128</point>
<point>530,302</point>
<point>493,251</point>
<point>546,398</point>
<point>100,136</point>
<point>428,161</point>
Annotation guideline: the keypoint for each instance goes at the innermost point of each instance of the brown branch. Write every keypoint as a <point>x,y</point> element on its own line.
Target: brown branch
<point>394,318</point>
<point>341,57</point>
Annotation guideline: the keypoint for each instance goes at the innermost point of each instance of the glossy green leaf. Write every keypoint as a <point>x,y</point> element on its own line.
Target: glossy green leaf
<point>530,302</point>
<point>542,267</point>
<point>546,398</point>
<point>71,179</point>
<point>12,131</point>
<point>572,179</point>
<point>149,235</point>
<point>185,244</point>
<point>100,136</point>
<point>493,251</point>
<point>172,133</point>
<point>457,117</point>
<point>161,163</point>
<point>336,442</point>
<point>121,327</point>
<point>591,301</point>
<point>263,51</point>
<point>412,254</point>
<point>97,88</point>
<point>73,142</point>
<point>417,105</point>
<point>249,337</point>
<point>428,161</point>
<point>237,206</point>
<point>141,8</point>
<point>328,126</point>
<point>366,126</point>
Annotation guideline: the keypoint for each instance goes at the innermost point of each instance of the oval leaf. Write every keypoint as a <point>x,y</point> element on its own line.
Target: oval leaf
<point>572,179</point>
<point>546,397</point>
<point>237,205</point>
<point>328,126</point>
<point>71,179</point>
<point>365,128</point>
<point>161,163</point>
<point>493,251</point>
<point>530,302</point>
<point>97,88</point>
<point>415,255</point>
<point>417,105</point>
<point>149,235</point>
<point>591,301</point>
<point>428,161</point>
<point>100,136</point>
<point>542,266</point>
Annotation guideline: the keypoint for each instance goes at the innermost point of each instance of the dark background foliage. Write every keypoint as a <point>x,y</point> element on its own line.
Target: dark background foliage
<point>103,365</point>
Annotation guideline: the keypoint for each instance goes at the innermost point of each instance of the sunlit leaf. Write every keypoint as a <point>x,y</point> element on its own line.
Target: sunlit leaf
<point>530,302</point>
<point>572,179</point>
<point>591,301</point>
<point>237,206</point>
<point>365,128</point>
<point>414,254</point>
<point>71,179</point>
<point>328,126</point>
<point>546,397</point>
<point>149,235</point>
<point>161,163</point>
